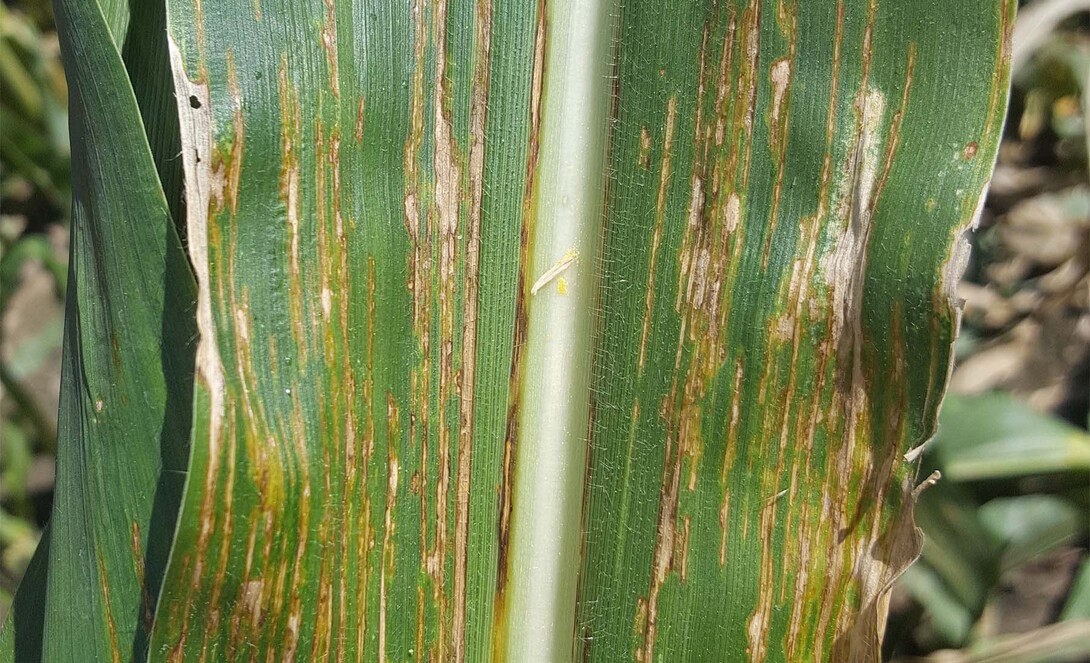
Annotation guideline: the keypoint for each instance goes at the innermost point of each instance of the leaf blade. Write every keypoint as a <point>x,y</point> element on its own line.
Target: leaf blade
<point>124,403</point>
<point>796,325</point>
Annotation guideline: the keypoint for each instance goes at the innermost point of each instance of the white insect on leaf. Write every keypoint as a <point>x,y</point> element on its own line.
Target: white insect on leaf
<point>569,257</point>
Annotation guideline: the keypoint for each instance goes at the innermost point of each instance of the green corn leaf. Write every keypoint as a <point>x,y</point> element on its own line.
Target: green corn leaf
<point>811,167</point>
<point>1033,525</point>
<point>528,331</point>
<point>994,436</point>
<point>126,375</point>
<point>1077,605</point>
<point>21,636</point>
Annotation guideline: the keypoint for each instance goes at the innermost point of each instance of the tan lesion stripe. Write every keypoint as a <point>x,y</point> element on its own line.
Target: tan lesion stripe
<point>195,120</point>
<point>419,290</point>
<point>665,171</point>
<point>448,176</point>
<point>107,609</point>
<point>393,439</point>
<point>478,109</point>
<point>712,220</point>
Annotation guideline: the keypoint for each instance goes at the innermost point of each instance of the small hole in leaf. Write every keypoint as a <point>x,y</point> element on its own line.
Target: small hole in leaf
<point>194,102</point>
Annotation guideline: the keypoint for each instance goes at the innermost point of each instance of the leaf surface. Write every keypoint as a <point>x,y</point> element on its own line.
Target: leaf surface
<point>789,182</point>
<point>531,331</point>
<point>126,378</point>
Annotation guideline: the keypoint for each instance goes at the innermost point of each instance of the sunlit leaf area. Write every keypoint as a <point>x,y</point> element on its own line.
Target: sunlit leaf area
<point>473,330</point>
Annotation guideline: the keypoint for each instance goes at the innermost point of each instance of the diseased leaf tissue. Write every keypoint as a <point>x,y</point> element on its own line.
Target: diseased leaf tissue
<point>527,330</point>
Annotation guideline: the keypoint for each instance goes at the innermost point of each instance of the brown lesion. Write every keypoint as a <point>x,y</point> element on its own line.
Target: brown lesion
<point>291,137</point>
<point>389,557</point>
<point>365,535</point>
<point>665,171</point>
<point>136,547</point>
<point>798,423</point>
<point>856,469</point>
<point>468,375</point>
<point>358,134</point>
<point>521,322</point>
<point>195,120</point>
<point>329,45</point>
<point>730,453</point>
<point>893,134</point>
<point>419,290</point>
<point>780,76</point>
<point>707,256</point>
<point>238,140</point>
<point>643,159</point>
<point>447,171</point>
<point>107,609</point>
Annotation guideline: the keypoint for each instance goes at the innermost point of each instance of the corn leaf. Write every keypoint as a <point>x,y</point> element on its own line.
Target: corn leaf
<point>126,374</point>
<point>536,331</point>
<point>789,241</point>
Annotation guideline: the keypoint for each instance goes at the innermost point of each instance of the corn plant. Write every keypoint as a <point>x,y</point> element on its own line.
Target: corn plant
<point>501,330</point>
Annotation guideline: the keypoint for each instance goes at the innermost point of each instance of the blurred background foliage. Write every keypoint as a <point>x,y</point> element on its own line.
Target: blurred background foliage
<point>1005,574</point>
<point>34,205</point>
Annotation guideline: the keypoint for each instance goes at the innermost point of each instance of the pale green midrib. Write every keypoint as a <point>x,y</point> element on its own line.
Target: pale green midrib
<point>550,461</point>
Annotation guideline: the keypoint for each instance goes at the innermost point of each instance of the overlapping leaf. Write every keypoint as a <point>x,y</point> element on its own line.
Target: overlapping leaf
<point>126,377</point>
